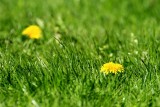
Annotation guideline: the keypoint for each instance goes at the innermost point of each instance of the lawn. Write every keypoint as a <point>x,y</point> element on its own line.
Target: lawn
<point>62,69</point>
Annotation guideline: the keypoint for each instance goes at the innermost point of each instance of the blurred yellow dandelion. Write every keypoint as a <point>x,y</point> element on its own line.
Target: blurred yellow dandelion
<point>33,32</point>
<point>112,68</point>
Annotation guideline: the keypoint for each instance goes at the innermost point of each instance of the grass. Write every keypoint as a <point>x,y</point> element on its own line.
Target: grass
<point>63,68</point>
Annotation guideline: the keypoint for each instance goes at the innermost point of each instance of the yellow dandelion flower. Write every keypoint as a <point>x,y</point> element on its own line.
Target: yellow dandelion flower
<point>33,32</point>
<point>112,68</point>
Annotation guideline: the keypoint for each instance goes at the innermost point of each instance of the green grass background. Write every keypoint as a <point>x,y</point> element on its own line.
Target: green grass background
<point>63,68</point>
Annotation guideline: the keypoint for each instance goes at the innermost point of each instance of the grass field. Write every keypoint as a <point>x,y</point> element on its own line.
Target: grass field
<point>62,69</point>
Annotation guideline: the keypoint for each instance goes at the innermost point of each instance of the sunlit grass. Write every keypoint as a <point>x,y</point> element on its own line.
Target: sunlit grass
<point>63,67</point>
